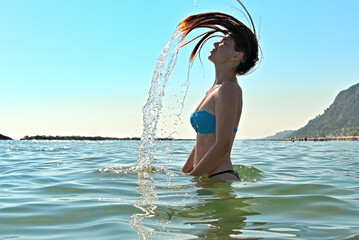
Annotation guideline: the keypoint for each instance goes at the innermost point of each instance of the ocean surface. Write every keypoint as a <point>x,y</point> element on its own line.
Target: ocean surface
<point>90,190</point>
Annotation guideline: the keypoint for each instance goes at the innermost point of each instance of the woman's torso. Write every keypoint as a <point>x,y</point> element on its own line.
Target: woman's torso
<point>204,142</point>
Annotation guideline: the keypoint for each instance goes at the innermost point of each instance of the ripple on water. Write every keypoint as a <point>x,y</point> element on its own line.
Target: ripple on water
<point>309,209</point>
<point>90,190</point>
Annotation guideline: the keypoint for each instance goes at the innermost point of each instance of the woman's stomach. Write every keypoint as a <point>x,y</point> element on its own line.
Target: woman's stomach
<point>204,142</point>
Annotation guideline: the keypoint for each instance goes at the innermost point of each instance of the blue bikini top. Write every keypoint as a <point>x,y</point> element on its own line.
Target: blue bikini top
<point>204,122</point>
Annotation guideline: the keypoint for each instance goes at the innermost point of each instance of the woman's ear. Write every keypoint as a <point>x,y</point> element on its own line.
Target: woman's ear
<point>237,56</point>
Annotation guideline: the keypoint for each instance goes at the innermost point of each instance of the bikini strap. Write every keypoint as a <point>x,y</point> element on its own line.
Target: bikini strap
<point>226,171</point>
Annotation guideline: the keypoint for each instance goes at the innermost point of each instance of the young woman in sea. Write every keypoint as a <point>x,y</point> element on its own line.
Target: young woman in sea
<point>217,116</point>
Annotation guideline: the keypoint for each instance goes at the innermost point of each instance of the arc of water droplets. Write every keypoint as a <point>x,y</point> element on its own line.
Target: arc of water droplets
<point>152,109</point>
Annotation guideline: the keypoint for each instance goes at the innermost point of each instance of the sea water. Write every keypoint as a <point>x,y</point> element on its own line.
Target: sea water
<point>85,190</point>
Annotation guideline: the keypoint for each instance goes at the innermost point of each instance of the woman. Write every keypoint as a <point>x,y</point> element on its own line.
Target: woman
<point>217,116</point>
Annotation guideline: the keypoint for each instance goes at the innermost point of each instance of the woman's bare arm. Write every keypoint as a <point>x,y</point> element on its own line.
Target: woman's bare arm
<point>226,110</point>
<point>188,166</point>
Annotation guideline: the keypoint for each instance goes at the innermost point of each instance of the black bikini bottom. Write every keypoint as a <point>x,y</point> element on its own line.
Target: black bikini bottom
<point>227,171</point>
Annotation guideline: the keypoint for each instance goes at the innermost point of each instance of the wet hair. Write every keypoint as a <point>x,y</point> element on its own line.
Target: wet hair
<point>245,39</point>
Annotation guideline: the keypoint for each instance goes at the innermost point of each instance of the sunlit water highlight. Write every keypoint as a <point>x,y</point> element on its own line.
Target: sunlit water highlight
<point>85,190</point>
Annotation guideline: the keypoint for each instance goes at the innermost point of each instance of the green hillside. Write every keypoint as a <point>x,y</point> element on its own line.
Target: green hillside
<point>340,119</point>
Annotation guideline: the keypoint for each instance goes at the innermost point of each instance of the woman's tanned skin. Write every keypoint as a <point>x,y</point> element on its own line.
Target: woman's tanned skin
<point>211,154</point>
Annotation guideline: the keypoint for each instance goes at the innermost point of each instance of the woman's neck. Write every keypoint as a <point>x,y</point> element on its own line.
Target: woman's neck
<point>223,75</point>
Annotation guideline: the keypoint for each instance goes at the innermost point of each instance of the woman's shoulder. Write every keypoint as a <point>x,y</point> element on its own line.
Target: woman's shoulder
<point>229,87</point>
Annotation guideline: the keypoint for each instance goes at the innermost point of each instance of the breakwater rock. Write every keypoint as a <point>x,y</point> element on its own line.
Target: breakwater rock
<point>2,137</point>
<point>77,138</point>
<point>81,138</point>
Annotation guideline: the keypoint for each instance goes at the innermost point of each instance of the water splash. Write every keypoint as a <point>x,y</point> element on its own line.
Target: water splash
<point>180,102</point>
<point>248,173</point>
<point>152,109</point>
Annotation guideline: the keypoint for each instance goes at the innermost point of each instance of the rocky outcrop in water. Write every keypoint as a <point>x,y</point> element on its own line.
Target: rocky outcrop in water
<point>81,138</point>
<point>2,137</point>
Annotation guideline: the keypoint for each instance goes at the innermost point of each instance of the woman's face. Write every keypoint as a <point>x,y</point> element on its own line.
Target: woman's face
<point>223,50</point>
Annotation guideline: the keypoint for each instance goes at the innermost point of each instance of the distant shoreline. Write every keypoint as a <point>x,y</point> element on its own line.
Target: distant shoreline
<point>317,139</point>
<point>88,138</point>
<point>98,138</point>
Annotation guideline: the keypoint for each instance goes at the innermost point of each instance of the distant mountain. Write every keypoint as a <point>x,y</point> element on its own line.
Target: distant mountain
<point>340,119</point>
<point>281,135</point>
<point>2,137</point>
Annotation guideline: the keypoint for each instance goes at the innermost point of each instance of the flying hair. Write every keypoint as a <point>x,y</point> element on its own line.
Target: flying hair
<point>245,38</point>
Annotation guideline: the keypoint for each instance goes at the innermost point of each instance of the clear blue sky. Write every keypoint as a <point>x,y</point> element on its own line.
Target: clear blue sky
<point>75,67</point>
